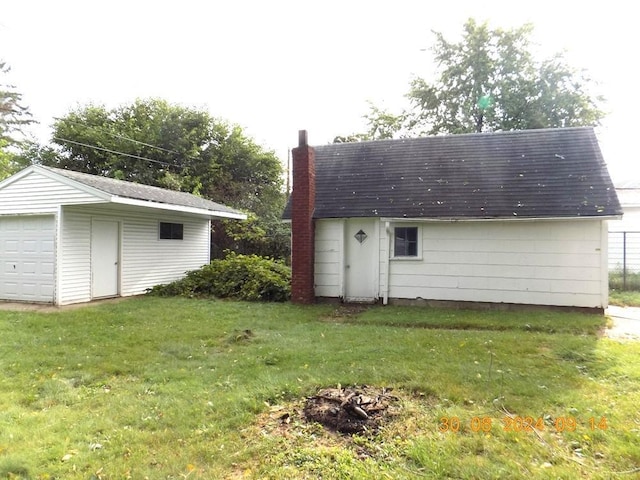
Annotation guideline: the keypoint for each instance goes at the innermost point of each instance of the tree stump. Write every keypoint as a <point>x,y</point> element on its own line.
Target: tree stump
<point>350,410</point>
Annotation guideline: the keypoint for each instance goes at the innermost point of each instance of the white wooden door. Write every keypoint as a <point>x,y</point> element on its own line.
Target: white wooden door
<point>361,260</point>
<point>27,258</point>
<point>105,253</point>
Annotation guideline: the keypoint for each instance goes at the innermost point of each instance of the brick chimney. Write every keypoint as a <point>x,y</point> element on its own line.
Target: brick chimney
<point>303,199</point>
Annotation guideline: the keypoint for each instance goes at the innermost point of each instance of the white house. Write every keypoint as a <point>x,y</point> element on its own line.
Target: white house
<point>69,237</point>
<point>624,234</point>
<point>491,218</point>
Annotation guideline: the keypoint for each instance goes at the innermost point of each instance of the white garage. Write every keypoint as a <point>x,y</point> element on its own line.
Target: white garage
<point>27,258</point>
<point>69,237</point>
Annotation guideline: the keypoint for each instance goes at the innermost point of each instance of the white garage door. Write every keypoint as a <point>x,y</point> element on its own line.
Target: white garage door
<point>27,258</point>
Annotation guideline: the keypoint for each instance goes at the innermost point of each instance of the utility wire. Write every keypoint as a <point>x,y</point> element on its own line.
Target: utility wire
<point>136,141</point>
<point>123,137</point>
<point>116,152</point>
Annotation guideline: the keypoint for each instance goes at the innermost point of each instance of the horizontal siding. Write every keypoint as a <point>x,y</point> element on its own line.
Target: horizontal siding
<point>435,255</point>
<point>37,193</point>
<point>548,263</point>
<point>490,296</point>
<point>149,261</point>
<point>328,258</point>
<point>75,257</point>
<point>145,259</point>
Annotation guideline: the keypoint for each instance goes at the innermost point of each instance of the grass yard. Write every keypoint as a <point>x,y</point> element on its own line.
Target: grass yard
<point>166,388</point>
<point>624,298</point>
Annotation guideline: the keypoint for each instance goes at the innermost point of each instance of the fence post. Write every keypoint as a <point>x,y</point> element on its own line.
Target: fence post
<point>624,261</point>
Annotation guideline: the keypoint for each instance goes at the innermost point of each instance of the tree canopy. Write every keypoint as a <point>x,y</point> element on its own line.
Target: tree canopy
<point>170,146</point>
<point>13,116</point>
<point>157,143</point>
<point>490,81</point>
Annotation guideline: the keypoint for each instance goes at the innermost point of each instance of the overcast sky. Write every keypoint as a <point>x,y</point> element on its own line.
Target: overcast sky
<point>275,67</point>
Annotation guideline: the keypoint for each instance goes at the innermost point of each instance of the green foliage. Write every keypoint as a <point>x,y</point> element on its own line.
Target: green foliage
<point>156,143</point>
<point>621,281</point>
<point>170,146</point>
<point>243,277</point>
<point>490,81</point>
<point>624,298</point>
<point>13,115</point>
<point>266,237</point>
<point>6,161</point>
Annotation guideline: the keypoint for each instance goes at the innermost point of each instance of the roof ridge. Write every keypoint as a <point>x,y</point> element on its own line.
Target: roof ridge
<point>530,131</point>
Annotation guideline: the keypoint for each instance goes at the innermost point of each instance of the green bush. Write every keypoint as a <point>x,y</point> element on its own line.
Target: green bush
<point>243,277</point>
<point>620,282</point>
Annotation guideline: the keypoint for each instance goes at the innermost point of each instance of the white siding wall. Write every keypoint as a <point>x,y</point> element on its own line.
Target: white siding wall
<point>539,263</point>
<point>149,261</point>
<point>145,259</point>
<point>544,263</point>
<point>74,278</point>
<point>329,244</point>
<point>36,193</point>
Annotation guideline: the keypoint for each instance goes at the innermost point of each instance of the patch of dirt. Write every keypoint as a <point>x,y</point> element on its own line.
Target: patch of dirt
<point>49,308</point>
<point>346,312</point>
<point>351,410</point>
<point>240,336</point>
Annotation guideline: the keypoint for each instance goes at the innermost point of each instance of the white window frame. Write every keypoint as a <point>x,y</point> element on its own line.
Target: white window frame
<point>418,255</point>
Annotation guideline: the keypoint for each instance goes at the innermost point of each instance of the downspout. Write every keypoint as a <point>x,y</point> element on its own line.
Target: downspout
<point>57,261</point>
<point>604,264</point>
<point>387,262</point>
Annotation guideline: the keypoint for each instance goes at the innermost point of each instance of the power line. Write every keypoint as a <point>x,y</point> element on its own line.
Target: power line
<point>136,141</point>
<point>116,152</point>
<point>123,137</point>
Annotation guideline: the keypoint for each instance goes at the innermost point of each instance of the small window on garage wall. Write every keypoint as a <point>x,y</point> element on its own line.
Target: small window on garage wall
<point>171,231</point>
<point>405,242</point>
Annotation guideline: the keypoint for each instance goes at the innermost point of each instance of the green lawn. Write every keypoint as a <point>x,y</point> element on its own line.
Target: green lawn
<point>164,388</point>
<point>624,298</point>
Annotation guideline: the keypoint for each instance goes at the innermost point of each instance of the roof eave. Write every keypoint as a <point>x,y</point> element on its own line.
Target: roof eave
<point>499,219</point>
<point>177,208</point>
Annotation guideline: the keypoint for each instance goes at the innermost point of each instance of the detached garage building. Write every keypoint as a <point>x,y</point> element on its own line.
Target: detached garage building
<point>69,237</point>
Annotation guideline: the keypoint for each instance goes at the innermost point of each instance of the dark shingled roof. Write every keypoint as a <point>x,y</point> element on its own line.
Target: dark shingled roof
<point>545,173</point>
<point>147,193</point>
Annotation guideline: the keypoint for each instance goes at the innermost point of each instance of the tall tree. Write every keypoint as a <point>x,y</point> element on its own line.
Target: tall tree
<point>13,116</point>
<point>171,146</point>
<point>157,143</point>
<point>490,81</point>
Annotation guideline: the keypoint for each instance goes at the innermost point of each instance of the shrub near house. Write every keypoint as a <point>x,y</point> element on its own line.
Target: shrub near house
<point>243,277</point>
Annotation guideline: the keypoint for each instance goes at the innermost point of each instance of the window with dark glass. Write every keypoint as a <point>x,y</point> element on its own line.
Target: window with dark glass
<point>171,231</point>
<point>406,242</point>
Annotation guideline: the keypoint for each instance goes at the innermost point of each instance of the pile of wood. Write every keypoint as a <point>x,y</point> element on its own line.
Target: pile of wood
<point>350,409</point>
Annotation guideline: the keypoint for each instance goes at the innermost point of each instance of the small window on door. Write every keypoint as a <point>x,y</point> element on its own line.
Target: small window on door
<point>405,242</point>
<point>171,231</point>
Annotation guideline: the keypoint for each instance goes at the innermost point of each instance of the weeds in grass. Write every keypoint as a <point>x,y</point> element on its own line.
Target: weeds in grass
<point>176,388</point>
<point>624,298</point>
<point>621,281</point>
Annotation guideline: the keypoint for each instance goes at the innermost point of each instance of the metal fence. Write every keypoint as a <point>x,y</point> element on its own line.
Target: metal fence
<point>624,260</point>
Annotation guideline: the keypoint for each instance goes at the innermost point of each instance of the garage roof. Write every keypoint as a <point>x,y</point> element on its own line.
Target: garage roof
<point>122,192</point>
